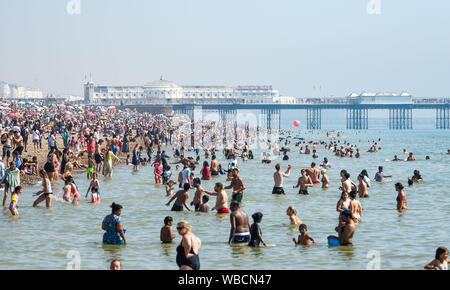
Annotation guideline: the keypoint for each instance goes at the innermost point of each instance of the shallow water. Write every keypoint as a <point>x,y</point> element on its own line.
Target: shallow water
<point>41,238</point>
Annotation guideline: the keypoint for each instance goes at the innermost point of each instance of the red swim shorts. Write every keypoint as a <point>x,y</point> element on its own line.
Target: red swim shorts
<point>316,181</point>
<point>223,210</point>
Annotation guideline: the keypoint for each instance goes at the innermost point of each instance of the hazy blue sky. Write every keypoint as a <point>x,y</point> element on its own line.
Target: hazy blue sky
<point>292,45</point>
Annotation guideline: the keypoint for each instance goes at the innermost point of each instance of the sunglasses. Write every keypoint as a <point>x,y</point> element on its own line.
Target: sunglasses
<point>180,228</point>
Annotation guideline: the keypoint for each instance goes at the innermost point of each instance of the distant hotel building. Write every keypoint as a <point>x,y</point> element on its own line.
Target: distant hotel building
<point>167,92</point>
<point>16,92</point>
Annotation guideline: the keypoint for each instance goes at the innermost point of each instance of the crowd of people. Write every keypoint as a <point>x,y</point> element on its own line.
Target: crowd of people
<point>67,140</point>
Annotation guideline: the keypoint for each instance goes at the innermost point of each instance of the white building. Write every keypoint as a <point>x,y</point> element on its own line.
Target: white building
<point>15,92</point>
<point>381,98</point>
<point>166,92</point>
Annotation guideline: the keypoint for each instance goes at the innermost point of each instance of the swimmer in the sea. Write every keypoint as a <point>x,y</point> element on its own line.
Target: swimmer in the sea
<point>411,157</point>
<point>166,234</point>
<point>344,202</point>
<point>181,197</point>
<point>314,173</point>
<point>417,177</point>
<point>355,208</point>
<point>278,179</point>
<point>292,213</point>
<point>304,182</point>
<point>196,202</point>
<point>440,261</point>
<point>345,230</point>
<point>304,239</point>
<point>362,187</point>
<point>401,197</point>
<point>169,187</point>
<point>325,179</point>
<point>221,200</point>
<point>204,207</point>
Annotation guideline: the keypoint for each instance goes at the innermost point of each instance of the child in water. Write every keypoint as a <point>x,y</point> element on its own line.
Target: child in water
<point>14,200</point>
<point>440,261</point>
<point>204,206</point>
<point>95,197</point>
<point>169,187</point>
<point>292,213</point>
<point>304,239</point>
<point>167,234</point>
<point>255,231</point>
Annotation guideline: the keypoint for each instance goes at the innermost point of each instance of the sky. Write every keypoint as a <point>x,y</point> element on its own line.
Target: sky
<point>302,48</point>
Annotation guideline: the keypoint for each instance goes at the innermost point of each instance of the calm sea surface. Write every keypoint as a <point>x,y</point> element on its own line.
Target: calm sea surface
<point>41,238</point>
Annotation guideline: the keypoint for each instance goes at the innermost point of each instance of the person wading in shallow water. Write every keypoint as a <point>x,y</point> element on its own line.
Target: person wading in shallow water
<point>240,225</point>
<point>187,252</point>
<point>278,179</point>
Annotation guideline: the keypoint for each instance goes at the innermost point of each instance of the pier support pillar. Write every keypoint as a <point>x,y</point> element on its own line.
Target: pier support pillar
<point>314,118</point>
<point>443,118</point>
<point>272,118</point>
<point>357,119</point>
<point>400,118</point>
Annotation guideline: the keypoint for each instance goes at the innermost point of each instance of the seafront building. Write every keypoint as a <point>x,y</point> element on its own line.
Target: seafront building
<point>16,92</point>
<point>167,92</point>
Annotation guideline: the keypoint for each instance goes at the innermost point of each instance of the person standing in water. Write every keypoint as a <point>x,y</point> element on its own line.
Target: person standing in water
<point>221,200</point>
<point>46,193</point>
<point>187,252</point>
<point>198,193</point>
<point>255,231</point>
<point>362,187</point>
<point>304,182</point>
<point>112,224</point>
<point>355,208</point>
<point>380,175</point>
<point>237,184</point>
<point>181,197</point>
<point>325,179</point>
<point>240,225</point>
<point>345,230</point>
<point>278,179</point>
<point>401,198</point>
<point>314,173</point>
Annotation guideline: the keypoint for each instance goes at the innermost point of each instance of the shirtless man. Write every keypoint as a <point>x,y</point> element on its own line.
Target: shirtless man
<point>304,182</point>
<point>198,193</point>
<point>7,147</point>
<point>214,166</point>
<point>278,179</point>
<point>411,157</point>
<point>314,173</point>
<point>345,230</point>
<point>240,225</point>
<point>238,186</point>
<point>221,200</point>
<point>18,142</point>
<point>115,142</point>
<point>182,197</point>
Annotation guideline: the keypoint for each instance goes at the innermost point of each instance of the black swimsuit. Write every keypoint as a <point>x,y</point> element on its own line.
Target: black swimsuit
<point>193,262</point>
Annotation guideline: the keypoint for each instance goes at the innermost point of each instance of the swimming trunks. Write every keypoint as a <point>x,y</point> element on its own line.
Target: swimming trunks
<point>177,207</point>
<point>241,238</point>
<point>237,197</point>
<point>277,190</point>
<point>316,182</point>
<point>213,172</point>
<point>90,170</point>
<point>115,150</point>
<point>305,192</point>
<point>223,211</point>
